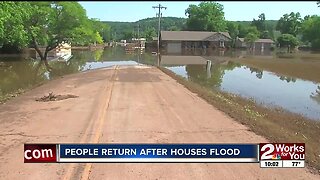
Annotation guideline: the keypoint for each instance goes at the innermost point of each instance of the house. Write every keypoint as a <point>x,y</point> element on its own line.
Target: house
<point>259,44</point>
<point>177,41</point>
<point>263,44</point>
<point>62,50</point>
<point>152,45</point>
<point>240,43</point>
<point>139,43</point>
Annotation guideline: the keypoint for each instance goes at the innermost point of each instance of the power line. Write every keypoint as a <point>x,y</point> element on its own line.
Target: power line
<point>159,7</point>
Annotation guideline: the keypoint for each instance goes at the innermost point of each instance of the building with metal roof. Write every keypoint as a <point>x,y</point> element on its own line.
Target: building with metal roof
<point>178,41</point>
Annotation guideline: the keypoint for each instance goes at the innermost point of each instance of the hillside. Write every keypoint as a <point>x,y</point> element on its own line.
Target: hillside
<point>123,30</point>
<point>120,29</point>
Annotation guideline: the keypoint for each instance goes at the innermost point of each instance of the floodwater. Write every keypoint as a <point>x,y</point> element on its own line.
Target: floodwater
<point>21,72</point>
<point>270,89</point>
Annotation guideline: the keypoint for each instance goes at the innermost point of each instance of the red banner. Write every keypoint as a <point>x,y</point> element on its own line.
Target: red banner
<point>42,153</point>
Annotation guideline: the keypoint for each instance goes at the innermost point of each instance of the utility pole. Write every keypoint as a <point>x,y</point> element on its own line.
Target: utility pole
<point>159,7</point>
<point>138,31</point>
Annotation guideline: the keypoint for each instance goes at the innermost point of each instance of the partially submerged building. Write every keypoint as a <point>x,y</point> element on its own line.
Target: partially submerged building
<point>63,50</point>
<point>177,41</point>
<point>139,43</point>
<point>259,44</point>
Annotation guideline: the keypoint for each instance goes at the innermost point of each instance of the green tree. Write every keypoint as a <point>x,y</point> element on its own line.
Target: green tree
<point>51,23</point>
<point>12,17</point>
<point>173,28</point>
<point>83,35</point>
<point>207,16</point>
<point>260,23</point>
<point>118,29</point>
<point>150,33</point>
<point>271,28</point>
<point>290,23</point>
<point>232,28</point>
<point>311,31</point>
<point>253,30</point>
<point>252,36</point>
<point>44,24</point>
<point>289,41</point>
<point>265,31</point>
<point>306,17</point>
<point>265,35</point>
<point>103,29</point>
<point>243,30</point>
<point>98,39</point>
<point>128,35</point>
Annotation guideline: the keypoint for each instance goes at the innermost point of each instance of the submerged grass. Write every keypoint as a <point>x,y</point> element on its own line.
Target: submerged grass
<point>277,125</point>
<point>5,97</point>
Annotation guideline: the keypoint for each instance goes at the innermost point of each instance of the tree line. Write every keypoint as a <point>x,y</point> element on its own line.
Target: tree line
<point>47,24</point>
<point>295,30</point>
<point>290,30</point>
<point>146,28</point>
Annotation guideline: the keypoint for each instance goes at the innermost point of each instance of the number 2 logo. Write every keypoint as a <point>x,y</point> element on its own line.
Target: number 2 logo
<point>267,154</point>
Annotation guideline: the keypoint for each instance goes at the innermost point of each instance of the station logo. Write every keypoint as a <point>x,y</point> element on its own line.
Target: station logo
<point>41,153</point>
<point>282,151</point>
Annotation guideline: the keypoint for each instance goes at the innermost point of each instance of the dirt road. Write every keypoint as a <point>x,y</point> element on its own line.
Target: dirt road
<point>135,104</point>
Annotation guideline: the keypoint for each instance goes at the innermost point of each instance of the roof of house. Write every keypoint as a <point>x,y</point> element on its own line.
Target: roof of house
<point>259,40</point>
<point>241,39</point>
<point>189,35</point>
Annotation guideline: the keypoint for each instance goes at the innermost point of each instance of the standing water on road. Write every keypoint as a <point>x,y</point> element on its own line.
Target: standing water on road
<point>271,89</point>
<point>20,72</point>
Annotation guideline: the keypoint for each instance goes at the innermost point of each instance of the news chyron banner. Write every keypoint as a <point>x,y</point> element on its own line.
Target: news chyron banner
<point>271,154</point>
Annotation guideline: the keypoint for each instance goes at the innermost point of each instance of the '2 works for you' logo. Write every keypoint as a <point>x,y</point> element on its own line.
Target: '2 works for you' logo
<point>282,151</point>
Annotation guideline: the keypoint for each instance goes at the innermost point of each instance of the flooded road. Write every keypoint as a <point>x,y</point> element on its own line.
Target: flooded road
<point>269,88</point>
<point>22,73</point>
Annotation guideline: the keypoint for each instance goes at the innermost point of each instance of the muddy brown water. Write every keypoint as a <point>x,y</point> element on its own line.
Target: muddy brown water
<point>268,88</point>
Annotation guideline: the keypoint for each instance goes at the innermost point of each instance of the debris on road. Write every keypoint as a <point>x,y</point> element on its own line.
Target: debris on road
<point>53,97</point>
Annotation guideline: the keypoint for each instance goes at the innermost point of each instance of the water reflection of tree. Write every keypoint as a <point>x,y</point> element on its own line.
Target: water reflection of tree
<point>198,73</point>
<point>118,54</point>
<point>316,95</point>
<point>259,73</point>
<point>74,65</point>
<point>286,78</point>
<point>20,75</point>
<point>80,58</point>
<point>98,54</point>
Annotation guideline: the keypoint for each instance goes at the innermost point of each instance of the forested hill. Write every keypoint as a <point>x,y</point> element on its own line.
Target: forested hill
<point>148,27</point>
<point>269,23</point>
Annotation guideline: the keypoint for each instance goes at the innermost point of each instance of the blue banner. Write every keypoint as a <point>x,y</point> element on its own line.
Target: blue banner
<point>138,151</point>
